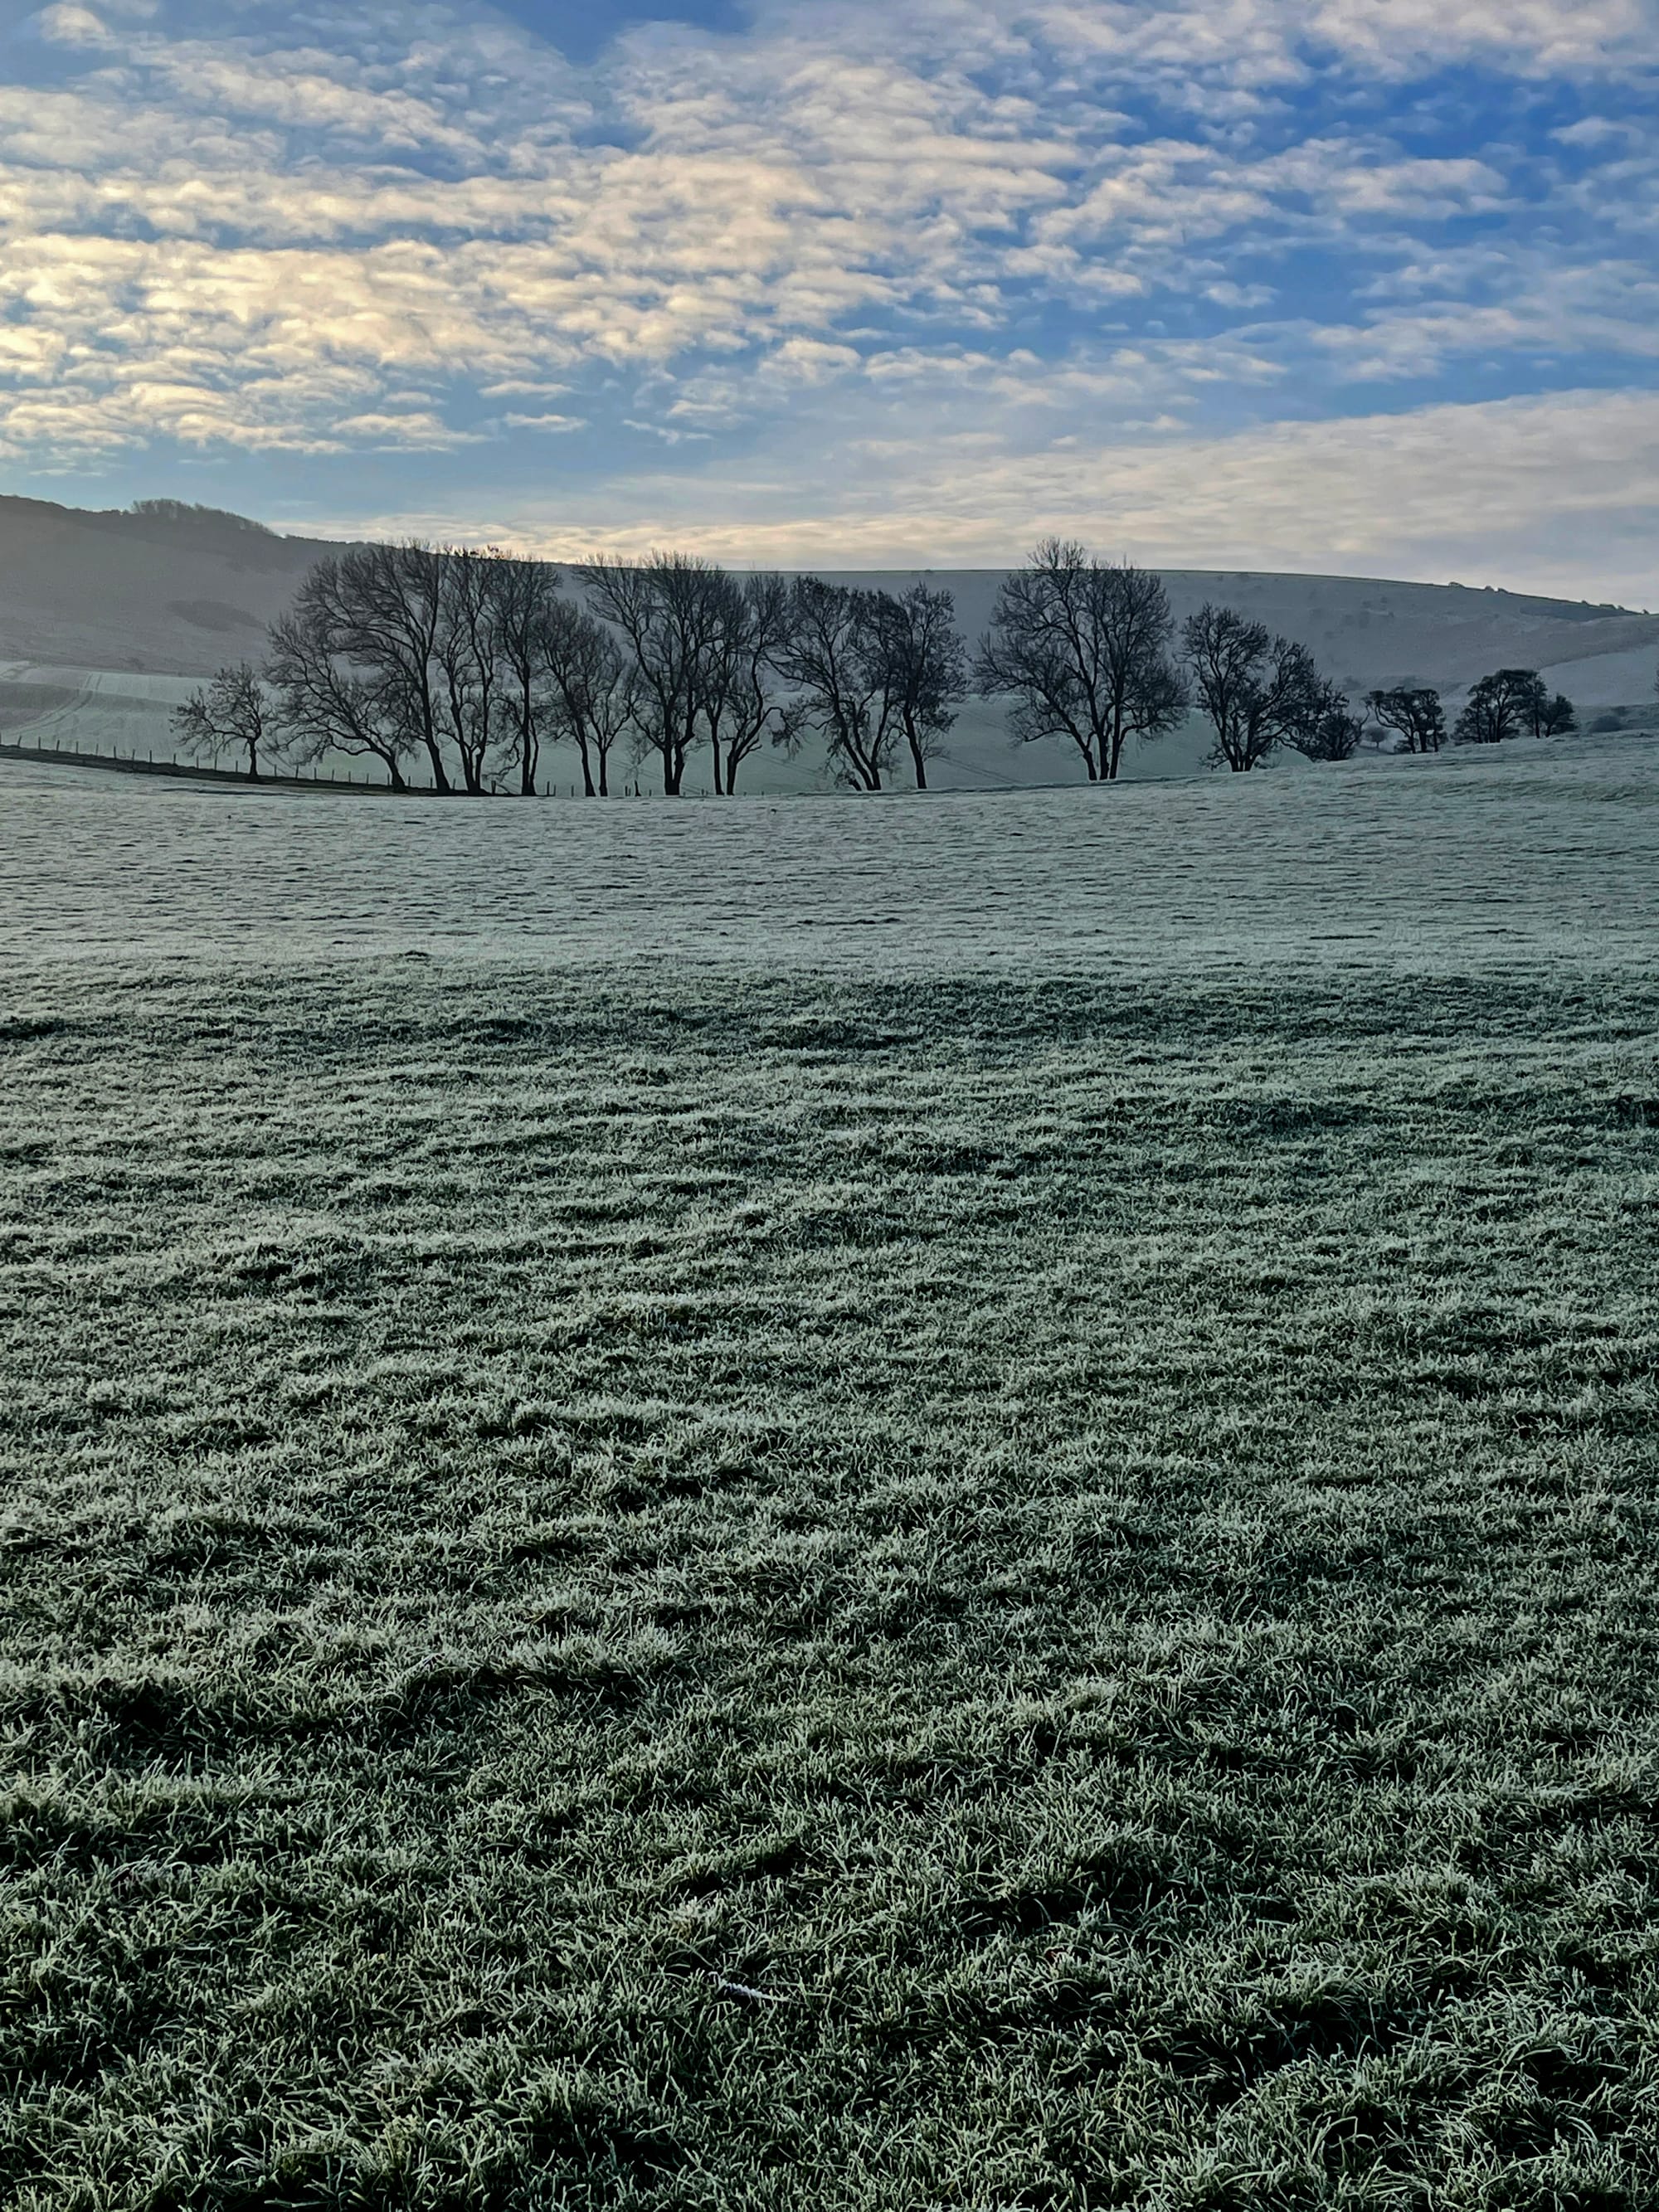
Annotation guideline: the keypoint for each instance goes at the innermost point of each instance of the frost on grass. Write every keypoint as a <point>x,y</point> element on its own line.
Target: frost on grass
<point>1003,1594</point>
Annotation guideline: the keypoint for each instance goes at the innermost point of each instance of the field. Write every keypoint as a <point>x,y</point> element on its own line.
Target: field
<point>974,1525</point>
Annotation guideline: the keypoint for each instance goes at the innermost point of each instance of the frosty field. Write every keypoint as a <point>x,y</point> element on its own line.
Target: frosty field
<point>873,1506</point>
<point>1524,853</point>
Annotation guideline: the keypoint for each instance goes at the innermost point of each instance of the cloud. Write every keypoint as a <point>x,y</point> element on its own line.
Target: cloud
<point>1020,234</point>
<point>66,26</point>
<point>1567,486</point>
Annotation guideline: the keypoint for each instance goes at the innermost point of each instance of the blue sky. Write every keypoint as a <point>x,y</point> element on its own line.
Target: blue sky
<point>1363,285</point>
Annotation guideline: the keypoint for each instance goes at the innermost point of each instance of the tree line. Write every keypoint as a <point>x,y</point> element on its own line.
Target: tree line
<point>475,664</point>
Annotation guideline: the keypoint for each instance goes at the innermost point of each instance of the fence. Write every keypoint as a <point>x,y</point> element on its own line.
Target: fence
<point>129,765</point>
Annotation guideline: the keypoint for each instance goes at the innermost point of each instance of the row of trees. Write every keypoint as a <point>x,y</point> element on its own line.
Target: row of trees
<point>474,662</point>
<point>1511,703</point>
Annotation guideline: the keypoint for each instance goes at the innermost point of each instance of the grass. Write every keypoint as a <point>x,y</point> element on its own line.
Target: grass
<point>758,1593</point>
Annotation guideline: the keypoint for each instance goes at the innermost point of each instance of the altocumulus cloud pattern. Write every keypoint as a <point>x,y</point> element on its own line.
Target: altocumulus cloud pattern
<point>1285,282</point>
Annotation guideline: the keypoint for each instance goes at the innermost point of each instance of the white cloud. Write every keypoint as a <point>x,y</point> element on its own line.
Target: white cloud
<point>66,26</point>
<point>846,235</point>
<point>1559,494</point>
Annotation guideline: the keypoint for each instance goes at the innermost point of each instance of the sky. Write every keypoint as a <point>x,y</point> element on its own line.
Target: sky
<point>1354,286</point>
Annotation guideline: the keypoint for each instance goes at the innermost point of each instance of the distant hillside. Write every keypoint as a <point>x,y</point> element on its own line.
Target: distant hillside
<point>101,613</point>
<point>1366,632</point>
<point>165,593</point>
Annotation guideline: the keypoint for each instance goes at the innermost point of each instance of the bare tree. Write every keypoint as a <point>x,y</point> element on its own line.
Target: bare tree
<point>232,715</point>
<point>742,704</point>
<point>324,705</point>
<point>668,610</point>
<point>1257,691</point>
<point>838,681</point>
<point>381,608</point>
<point>466,653</point>
<point>1413,713</point>
<point>917,659</point>
<point>521,594</point>
<point>1082,646</point>
<point>588,687</point>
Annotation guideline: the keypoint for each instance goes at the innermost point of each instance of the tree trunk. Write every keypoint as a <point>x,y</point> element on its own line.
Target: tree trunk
<point>440,772</point>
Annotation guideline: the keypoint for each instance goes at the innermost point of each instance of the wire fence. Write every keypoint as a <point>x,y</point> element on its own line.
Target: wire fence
<point>312,780</point>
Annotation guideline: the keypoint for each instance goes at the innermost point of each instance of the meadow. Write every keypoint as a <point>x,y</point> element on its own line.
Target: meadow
<point>1015,1569</point>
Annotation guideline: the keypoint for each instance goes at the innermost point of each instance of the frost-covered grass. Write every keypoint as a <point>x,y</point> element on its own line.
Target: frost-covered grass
<point>1523,853</point>
<point>743,1590</point>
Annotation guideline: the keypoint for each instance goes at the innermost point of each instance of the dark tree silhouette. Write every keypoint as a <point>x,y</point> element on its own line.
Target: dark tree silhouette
<point>324,705</point>
<point>1554,718</point>
<point>522,591</point>
<point>383,609</point>
<point>1082,646</point>
<point>668,610</point>
<point>827,659</point>
<point>1502,705</point>
<point>915,657</point>
<point>233,714</point>
<point>466,652</point>
<point>1258,691</point>
<point>1329,730</point>
<point>1414,713</point>
<point>588,688</point>
<point>742,703</point>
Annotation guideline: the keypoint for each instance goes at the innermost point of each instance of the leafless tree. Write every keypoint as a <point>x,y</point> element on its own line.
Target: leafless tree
<point>838,682</point>
<point>233,715</point>
<point>324,705</point>
<point>742,704</point>
<point>1258,691</point>
<point>1082,646</point>
<point>522,594</point>
<point>382,609</point>
<point>917,659</point>
<point>668,610</point>
<point>1413,713</point>
<point>467,659</point>
<point>588,688</point>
